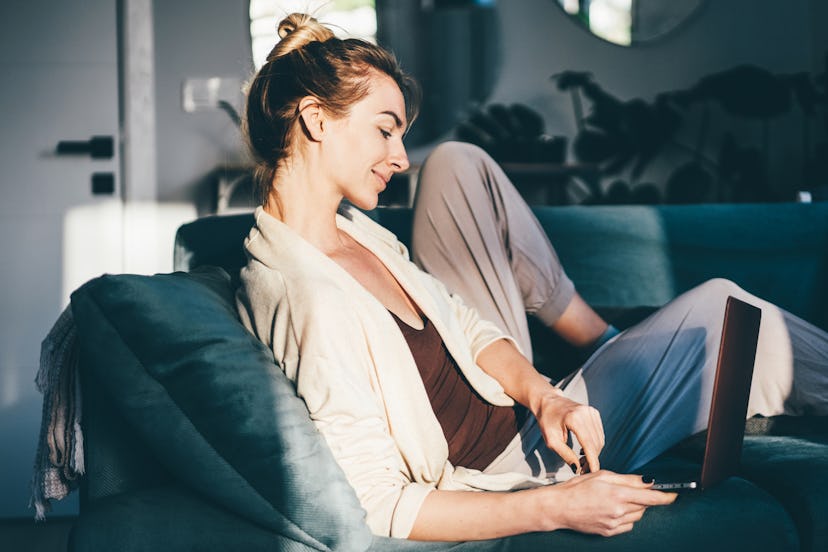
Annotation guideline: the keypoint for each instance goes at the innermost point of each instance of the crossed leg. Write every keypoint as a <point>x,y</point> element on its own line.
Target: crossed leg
<point>652,384</point>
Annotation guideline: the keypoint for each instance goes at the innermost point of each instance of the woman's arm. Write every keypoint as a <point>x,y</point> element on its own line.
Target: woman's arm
<point>579,324</point>
<point>556,414</point>
<point>603,503</point>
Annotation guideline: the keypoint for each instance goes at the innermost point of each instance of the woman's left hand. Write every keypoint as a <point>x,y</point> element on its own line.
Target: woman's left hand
<point>558,415</point>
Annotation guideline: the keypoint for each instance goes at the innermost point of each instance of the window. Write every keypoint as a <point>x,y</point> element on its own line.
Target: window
<point>346,18</point>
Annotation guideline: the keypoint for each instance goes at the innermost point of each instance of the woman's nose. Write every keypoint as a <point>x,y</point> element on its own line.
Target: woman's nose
<point>399,158</point>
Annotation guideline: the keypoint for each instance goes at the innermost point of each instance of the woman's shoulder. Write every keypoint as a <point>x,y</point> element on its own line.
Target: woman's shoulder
<point>273,243</point>
<point>269,299</point>
<point>295,282</point>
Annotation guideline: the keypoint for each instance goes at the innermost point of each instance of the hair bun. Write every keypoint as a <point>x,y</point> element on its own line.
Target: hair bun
<point>292,22</point>
<point>295,31</point>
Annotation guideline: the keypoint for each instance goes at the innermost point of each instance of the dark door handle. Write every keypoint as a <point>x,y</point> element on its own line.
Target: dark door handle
<point>99,147</point>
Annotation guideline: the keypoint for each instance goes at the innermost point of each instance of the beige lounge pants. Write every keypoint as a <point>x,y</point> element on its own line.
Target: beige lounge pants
<point>652,383</point>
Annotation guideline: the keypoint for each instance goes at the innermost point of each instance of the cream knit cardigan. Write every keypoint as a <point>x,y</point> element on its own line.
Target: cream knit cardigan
<point>354,370</point>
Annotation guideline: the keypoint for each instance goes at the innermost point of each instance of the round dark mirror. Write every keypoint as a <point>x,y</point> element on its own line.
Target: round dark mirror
<point>630,22</point>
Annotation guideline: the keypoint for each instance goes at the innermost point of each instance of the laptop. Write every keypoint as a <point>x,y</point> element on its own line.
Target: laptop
<point>728,406</point>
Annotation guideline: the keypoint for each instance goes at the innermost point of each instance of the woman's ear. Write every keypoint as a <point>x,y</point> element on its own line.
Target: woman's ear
<point>312,118</point>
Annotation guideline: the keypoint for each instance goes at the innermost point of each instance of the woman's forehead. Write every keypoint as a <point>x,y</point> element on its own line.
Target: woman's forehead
<point>385,98</point>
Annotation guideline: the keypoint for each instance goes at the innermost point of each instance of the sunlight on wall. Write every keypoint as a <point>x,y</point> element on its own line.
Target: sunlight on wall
<point>149,233</point>
<point>92,239</point>
<point>110,237</point>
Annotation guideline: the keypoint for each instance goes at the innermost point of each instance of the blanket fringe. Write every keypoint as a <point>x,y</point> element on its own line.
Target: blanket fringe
<point>59,461</point>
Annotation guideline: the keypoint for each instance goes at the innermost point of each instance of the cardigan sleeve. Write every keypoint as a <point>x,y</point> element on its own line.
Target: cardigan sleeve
<point>350,419</point>
<point>479,333</point>
<point>322,350</point>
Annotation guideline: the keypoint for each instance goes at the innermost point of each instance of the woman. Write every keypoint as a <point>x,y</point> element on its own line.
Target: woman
<point>417,395</point>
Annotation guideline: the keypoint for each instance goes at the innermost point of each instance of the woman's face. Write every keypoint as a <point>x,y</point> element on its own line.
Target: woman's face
<point>365,148</point>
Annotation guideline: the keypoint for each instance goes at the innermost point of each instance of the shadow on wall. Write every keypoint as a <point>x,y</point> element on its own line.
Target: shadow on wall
<point>721,164</point>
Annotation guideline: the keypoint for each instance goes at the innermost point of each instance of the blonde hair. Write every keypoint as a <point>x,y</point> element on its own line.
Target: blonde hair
<point>310,61</point>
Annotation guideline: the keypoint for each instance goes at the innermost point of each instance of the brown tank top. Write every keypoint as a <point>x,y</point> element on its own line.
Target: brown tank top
<point>476,431</point>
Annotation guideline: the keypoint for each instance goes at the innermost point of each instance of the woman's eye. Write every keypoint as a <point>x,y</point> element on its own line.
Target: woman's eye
<point>385,133</point>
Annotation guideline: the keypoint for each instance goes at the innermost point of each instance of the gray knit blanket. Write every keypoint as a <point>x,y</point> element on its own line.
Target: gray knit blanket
<point>58,462</point>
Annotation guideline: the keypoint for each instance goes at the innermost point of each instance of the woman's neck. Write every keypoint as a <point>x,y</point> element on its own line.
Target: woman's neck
<point>307,203</point>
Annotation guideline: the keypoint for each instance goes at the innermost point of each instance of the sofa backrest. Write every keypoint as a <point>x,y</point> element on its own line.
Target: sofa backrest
<point>626,256</point>
<point>218,240</point>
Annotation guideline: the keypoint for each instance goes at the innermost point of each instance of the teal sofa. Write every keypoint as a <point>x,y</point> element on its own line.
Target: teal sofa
<point>194,439</point>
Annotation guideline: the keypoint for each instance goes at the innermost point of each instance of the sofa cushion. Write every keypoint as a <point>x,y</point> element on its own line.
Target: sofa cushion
<point>794,469</point>
<point>169,519</point>
<point>205,397</point>
<point>735,515</point>
<point>788,458</point>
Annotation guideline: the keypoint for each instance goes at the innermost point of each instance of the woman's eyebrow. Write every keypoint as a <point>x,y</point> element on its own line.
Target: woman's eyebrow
<point>397,121</point>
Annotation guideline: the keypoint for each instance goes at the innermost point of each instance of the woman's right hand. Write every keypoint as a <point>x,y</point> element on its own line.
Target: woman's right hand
<point>603,503</point>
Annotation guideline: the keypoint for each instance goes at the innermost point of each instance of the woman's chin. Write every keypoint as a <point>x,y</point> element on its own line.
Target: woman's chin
<point>367,203</point>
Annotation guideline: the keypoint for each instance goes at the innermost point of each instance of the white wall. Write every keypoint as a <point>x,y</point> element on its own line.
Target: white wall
<point>196,39</point>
